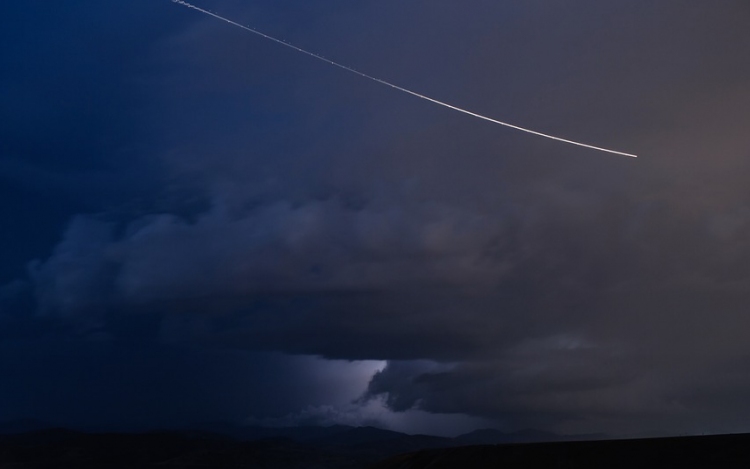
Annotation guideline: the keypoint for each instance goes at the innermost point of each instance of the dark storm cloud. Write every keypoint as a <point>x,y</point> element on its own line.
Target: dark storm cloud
<point>502,276</point>
<point>539,382</point>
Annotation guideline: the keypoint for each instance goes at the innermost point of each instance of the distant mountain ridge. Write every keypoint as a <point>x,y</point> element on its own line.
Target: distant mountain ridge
<point>351,435</point>
<point>342,447</point>
<point>345,447</point>
<point>33,444</point>
<point>334,435</point>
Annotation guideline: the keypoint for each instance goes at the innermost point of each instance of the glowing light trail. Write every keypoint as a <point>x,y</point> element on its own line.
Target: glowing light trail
<point>413,93</point>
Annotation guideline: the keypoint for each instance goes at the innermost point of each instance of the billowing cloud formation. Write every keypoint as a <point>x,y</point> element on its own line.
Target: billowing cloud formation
<point>317,246</point>
<point>500,276</point>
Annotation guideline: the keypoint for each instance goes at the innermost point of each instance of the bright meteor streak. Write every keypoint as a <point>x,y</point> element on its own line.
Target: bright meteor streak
<point>413,93</point>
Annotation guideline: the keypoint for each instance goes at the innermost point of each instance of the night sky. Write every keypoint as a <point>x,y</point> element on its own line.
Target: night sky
<point>200,225</point>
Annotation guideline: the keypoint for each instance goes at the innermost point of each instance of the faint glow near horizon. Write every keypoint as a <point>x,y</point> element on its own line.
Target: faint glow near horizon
<point>347,381</point>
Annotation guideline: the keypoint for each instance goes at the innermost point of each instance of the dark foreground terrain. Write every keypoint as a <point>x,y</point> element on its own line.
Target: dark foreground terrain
<point>65,449</point>
<point>343,447</point>
<point>714,452</point>
<point>30,444</point>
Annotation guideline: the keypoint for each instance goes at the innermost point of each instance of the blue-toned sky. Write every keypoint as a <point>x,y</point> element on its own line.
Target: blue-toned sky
<point>197,224</point>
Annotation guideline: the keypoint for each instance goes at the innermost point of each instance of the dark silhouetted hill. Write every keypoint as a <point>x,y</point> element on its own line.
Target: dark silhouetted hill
<point>303,447</point>
<point>37,450</point>
<point>358,435</point>
<point>336,447</point>
<point>709,452</point>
